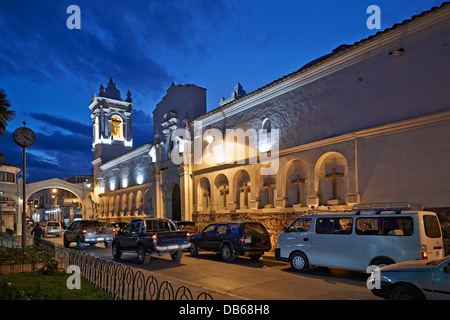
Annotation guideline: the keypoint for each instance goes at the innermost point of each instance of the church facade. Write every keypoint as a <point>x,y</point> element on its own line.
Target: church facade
<point>367,123</point>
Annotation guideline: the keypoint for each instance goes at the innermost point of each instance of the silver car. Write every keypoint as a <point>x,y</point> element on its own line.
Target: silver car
<point>52,228</point>
<point>412,280</point>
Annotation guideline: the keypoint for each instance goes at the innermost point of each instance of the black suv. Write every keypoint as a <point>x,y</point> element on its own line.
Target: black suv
<point>231,239</point>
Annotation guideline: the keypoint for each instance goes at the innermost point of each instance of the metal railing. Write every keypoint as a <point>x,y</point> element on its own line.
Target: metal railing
<point>119,281</point>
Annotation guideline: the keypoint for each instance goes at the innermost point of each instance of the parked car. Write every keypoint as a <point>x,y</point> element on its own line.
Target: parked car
<point>117,226</point>
<point>148,237</point>
<point>88,231</point>
<point>232,239</point>
<point>52,228</point>
<point>413,280</point>
<point>377,234</point>
<point>189,226</point>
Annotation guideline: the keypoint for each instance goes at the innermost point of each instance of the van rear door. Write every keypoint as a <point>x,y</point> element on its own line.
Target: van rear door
<point>431,237</point>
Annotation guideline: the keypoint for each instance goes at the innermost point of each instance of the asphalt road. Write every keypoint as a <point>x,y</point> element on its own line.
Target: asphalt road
<point>243,279</point>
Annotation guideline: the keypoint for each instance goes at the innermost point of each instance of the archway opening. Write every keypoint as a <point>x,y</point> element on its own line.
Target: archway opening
<point>173,202</point>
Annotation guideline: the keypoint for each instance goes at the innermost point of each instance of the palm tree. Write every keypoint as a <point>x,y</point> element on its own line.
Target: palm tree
<point>5,114</point>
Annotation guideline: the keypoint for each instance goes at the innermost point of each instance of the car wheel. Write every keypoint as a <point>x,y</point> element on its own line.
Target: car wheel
<point>176,255</point>
<point>116,251</point>
<point>80,244</point>
<point>299,262</point>
<point>66,243</point>
<point>227,253</point>
<point>406,292</point>
<point>141,256</point>
<point>194,249</point>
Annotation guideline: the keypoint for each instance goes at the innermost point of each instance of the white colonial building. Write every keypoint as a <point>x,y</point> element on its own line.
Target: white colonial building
<point>369,122</point>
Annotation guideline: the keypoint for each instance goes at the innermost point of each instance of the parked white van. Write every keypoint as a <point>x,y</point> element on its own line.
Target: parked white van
<point>374,234</point>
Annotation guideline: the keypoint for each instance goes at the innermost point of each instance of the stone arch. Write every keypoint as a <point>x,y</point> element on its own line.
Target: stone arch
<point>203,194</point>
<point>54,183</point>
<point>116,126</point>
<point>324,167</point>
<point>240,178</point>
<point>88,207</point>
<point>147,202</point>
<point>173,202</point>
<point>117,206</point>
<point>139,203</point>
<point>111,206</point>
<point>294,170</point>
<point>131,204</point>
<point>221,191</point>
<point>124,205</point>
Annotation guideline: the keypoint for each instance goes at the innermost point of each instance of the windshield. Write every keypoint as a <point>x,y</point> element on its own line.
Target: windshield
<point>254,228</point>
<point>91,224</point>
<point>53,224</point>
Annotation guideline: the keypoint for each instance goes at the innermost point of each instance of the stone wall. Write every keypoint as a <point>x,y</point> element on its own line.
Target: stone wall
<point>273,221</point>
<point>276,221</point>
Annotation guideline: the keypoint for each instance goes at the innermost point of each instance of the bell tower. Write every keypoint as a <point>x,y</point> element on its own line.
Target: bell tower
<point>111,121</point>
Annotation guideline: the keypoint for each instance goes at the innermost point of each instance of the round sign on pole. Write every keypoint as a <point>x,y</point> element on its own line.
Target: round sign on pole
<point>24,137</point>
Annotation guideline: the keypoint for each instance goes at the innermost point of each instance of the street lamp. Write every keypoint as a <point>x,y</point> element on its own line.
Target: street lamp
<point>24,137</point>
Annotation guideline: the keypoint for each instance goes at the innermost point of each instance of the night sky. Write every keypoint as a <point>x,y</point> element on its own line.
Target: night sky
<point>50,72</point>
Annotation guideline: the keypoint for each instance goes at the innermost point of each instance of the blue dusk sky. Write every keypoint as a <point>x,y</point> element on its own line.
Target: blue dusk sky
<point>50,72</point>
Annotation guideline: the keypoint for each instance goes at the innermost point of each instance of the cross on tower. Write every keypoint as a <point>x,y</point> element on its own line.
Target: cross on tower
<point>245,188</point>
<point>223,192</point>
<point>299,183</point>
<point>334,177</point>
<point>269,186</point>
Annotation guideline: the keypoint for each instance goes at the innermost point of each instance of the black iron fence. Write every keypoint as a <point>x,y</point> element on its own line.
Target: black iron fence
<point>119,281</point>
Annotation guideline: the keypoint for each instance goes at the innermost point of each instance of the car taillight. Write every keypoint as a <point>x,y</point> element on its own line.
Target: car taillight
<point>424,252</point>
<point>154,238</point>
<point>188,234</point>
<point>84,231</point>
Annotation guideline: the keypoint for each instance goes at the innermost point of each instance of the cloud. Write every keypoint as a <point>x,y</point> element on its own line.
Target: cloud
<point>74,127</point>
<point>123,39</point>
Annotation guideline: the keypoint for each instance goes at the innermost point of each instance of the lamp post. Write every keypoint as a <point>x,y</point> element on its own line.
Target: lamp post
<point>24,137</point>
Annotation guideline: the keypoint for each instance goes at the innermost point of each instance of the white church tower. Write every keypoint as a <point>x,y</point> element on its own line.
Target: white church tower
<point>111,120</point>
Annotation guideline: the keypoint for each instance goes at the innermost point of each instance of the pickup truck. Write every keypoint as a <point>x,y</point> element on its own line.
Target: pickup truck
<point>88,231</point>
<point>148,237</point>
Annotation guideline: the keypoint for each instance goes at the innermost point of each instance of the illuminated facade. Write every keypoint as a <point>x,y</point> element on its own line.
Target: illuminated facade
<point>359,125</point>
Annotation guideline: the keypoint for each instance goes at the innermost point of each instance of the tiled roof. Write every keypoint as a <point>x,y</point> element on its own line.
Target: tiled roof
<point>339,50</point>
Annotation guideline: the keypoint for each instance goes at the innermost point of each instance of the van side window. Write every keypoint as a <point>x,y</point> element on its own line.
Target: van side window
<point>386,226</point>
<point>300,225</point>
<point>432,228</point>
<point>334,225</point>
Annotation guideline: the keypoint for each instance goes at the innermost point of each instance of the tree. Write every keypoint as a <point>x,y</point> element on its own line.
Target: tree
<point>5,114</point>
